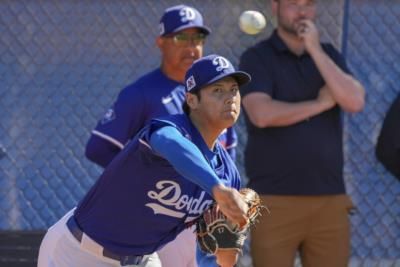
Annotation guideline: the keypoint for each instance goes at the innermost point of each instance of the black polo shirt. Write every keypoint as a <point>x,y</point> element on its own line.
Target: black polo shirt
<point>305,158</point>
<point>388,144</point>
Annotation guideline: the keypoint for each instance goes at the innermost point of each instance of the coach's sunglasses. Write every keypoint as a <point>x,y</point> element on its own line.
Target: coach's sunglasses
<point>184,39</point>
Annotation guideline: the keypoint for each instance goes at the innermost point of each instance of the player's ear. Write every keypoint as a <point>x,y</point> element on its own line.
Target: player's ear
<point>192,100</point>
<point>160,42</point>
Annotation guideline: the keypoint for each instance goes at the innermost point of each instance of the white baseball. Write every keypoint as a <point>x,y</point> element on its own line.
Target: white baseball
<point>252,22</point>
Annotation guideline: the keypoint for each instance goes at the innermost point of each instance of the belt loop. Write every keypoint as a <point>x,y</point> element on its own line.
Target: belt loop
<point>128,260</point>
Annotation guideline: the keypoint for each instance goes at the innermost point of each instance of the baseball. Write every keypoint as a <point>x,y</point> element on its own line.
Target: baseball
<point>252,22</point>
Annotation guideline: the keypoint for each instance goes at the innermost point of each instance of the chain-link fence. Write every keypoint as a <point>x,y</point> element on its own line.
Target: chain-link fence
<point>62,63</point>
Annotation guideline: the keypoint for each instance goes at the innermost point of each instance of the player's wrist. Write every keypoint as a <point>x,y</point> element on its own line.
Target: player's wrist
<point>315,49</point>
<point>227,257</point>
<point>219,189</point>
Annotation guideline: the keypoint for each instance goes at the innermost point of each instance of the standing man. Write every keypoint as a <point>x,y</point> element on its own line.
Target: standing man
<point>162,180</point>
<point>158,93</point>
<point>294,154</point>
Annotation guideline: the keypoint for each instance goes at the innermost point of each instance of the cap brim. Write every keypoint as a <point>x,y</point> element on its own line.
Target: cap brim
<point>203,29</point>
<point>240,76</point>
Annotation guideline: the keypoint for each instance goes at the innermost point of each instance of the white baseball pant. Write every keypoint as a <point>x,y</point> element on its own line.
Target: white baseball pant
<point>60,248</point>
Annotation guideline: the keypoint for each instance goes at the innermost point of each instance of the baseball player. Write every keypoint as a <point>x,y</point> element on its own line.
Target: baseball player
<point>158,93</point>
<point>159,183</point>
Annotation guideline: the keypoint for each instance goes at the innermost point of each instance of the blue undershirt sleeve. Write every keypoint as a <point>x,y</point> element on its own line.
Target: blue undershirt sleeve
<point>205,260</point>
<point>184,156</point>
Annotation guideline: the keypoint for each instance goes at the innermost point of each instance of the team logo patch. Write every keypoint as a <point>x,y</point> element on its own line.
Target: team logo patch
<point>109,116</point>
<point>190,83</point>
<point>161,28</point>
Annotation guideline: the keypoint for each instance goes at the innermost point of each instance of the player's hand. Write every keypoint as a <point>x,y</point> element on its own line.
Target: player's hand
<point>231,204</point>
<point>308,32</point>
<point>325,98</point>
<point>227,258</point>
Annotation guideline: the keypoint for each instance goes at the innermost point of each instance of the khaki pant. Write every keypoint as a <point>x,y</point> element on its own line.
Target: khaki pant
<point>317,227</point>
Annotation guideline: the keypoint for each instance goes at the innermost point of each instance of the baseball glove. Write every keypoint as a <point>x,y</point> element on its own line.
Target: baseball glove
<point>214,231</point>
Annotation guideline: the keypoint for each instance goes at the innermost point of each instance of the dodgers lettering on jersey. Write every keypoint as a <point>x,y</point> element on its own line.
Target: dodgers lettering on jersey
<point>172,202</point>
<point>140,202</point>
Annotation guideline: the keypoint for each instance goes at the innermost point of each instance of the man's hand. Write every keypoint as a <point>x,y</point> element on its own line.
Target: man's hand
<point>231,204</point>
<point>325,98</point>
<point>308,32</point>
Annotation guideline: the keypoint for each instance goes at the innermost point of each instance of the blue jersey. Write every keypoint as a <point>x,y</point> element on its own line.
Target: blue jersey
<point>153,95</point>
<point>141,202</point>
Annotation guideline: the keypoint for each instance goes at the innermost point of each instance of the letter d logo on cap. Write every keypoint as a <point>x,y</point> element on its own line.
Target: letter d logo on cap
<point>187,14</point>
<point>221,63</point>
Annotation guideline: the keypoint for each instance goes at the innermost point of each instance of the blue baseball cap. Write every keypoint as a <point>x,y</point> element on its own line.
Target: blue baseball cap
<point>210,69</point>
<point>181,17</point>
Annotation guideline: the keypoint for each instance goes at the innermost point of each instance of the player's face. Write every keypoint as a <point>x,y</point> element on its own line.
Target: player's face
<point>219,103</point>
<point>181,49</point>
<point>290,13</point>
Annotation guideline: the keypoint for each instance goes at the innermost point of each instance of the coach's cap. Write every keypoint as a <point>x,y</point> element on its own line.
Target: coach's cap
<point>181,17</point>
<point>212,68</point>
